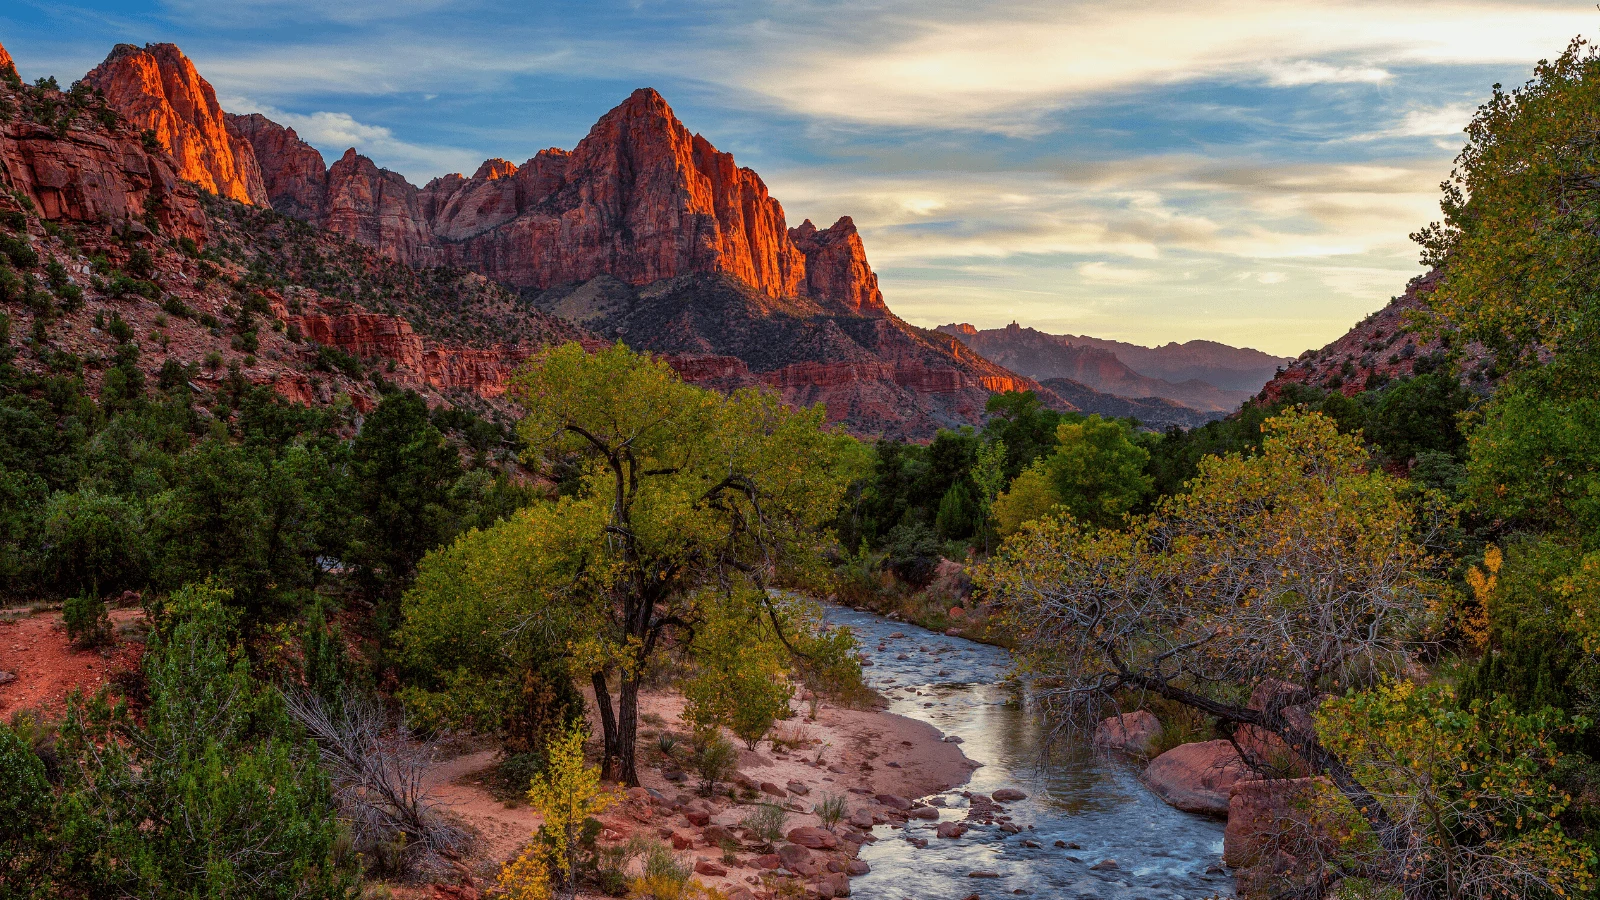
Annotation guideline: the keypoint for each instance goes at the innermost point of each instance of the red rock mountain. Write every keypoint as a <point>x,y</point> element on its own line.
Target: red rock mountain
<point>157,88</point>
<point>640,199</point>
<point>87,172</point>
<point>6,64</point>
<point>643,232</point>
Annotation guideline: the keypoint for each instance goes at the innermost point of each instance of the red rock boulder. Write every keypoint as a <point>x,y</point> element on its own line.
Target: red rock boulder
<point>1135,733</point>
<point>1197,777</point>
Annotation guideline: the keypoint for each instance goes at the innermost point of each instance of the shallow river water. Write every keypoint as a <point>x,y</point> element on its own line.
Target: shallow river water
<point>1077,796</point>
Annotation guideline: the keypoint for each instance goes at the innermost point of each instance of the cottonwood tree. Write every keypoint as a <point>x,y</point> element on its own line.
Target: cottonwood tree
<point>684,495</point>
<point>1296,568</point>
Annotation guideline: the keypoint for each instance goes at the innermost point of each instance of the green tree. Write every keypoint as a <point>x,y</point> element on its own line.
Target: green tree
<point>1098,471</point>
<point>96,542</point>
<point>26,820</point>
<point>1294,570</point>
<point>207,795</point>
<point>989,477</point>
<point>685,492</point>
<point>402,470</point>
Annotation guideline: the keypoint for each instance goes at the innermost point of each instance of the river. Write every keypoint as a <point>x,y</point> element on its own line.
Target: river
<point>1093,805</point>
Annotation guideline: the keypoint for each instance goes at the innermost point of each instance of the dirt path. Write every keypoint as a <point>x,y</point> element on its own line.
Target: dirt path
<point>35,649</point>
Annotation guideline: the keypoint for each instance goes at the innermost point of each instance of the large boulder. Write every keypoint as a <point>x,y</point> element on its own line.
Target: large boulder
<point>1136,733</point>
<point>1266,817</point>
<point>1266,751</point>
<point>1197,777</point>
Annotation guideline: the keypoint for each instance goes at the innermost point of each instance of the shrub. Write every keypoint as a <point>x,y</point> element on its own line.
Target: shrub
<point>714,760</point>
<point>831,809</point>
<point>766,822</point>
<point>88,623</point>
<point>914,553</point>
<point>25,811</point>
<point>96,542</point>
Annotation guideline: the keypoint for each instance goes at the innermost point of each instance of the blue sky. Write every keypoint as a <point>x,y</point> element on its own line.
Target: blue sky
<point>1240,171</point>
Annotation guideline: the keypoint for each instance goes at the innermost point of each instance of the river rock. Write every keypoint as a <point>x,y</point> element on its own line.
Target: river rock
<point>1135,732</point>
<point>862,818</point>
<point>798,860</point>
<point>1008,795</point>
<point>924,812</point>
<point>835,884</point>
<point>950,830</point>
<point>815,838</point>
<point>1197,777</point>
<point>894,801</point>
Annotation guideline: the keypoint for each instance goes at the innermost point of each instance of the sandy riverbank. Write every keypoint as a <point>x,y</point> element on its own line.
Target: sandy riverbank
<point>878,761</point>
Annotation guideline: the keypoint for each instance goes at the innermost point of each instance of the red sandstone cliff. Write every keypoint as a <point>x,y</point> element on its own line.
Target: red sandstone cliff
<point>157,88</point>
<point>292,171</point>
<point>836,266</point>
<point>640,199</point>
<point>87,172</point>
<point>6,65</point>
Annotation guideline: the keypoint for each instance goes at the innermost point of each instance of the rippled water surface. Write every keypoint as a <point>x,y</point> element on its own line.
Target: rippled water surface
<point>1079,797</point>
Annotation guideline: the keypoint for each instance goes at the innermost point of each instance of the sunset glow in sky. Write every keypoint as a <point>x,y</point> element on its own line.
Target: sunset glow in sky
<point>1241,171</point>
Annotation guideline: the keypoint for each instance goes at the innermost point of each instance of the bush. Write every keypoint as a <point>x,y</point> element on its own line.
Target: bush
<point>88,623</point>
<point>96,542</point>
<point>25,813</point>
<point>714,761</point>
<point>914,553</point>
<point>766,822</point>
<point>831,810</point>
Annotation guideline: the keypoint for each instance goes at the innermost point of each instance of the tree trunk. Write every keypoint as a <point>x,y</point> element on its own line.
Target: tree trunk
<point>608,724</point>
<point>627,729</point>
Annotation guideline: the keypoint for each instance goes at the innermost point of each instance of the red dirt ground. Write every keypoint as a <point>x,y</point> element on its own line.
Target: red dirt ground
<point>35,649</point>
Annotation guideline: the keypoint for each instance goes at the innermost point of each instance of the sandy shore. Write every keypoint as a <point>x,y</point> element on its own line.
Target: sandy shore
<point>880,762</point>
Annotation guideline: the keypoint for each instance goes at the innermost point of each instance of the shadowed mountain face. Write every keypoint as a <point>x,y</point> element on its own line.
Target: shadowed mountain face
<point>1229,368</point>
<point>1099,365</point>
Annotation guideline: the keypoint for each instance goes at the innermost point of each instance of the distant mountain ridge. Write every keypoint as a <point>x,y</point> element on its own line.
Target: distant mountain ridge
<point>685,252</point>
<point>1098,364</point>
<point>1222,365</point>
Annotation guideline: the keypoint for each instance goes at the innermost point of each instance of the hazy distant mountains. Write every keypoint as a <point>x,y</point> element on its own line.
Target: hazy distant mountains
<point>1204,376</point>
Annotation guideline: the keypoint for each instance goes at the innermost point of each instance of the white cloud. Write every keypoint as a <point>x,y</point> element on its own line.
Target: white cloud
<point>1302,71</point>
<point>1104,273</point>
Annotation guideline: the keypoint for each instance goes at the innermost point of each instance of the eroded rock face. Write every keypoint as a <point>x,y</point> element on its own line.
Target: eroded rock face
<point>6,64</point>
<point>640,199</point>
<point>292,171</point>
<point>836,267</point>
<point>97,175</point>
<point>378,208</point>
<point>1197,777</point>
<point>156,87</point>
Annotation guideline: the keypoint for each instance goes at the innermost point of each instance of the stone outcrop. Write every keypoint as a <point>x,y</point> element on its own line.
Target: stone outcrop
<point>7,66</point>
<point>292,171</point>
<point>156,88</point>
<point>96,174</point>
<point>1197,777</point>
<point>836,266</point>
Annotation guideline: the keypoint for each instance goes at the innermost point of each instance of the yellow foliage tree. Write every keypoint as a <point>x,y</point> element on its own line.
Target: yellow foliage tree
<point>566,794</point>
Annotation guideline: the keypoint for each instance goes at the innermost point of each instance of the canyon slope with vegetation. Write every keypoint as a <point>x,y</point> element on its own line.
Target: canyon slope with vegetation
<point>328,476</point>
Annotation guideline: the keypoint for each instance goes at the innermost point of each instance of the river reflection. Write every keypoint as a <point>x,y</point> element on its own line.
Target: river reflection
<point>1117,840</point>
